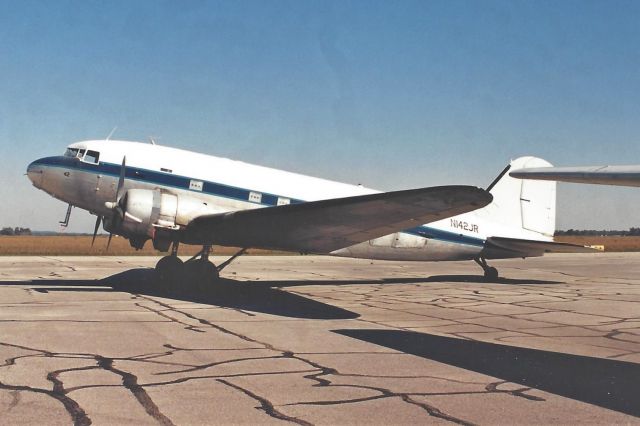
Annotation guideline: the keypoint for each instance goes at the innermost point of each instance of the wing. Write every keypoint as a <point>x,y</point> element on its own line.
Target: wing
<point>496,247</point>
<point>327,225</point>
<point>603,175</point>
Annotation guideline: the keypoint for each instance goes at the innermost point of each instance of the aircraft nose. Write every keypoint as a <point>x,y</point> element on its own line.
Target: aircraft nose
<point>34,172</point>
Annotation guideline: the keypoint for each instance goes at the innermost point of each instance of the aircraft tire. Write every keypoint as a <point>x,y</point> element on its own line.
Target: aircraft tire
<point>491,274</point>
<point>169,270</point>
<point>201,274</point>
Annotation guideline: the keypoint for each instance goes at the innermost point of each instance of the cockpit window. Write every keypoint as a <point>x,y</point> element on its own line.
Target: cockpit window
<point>71,152</point>
<point>81,153</point>
<point>92,157</point>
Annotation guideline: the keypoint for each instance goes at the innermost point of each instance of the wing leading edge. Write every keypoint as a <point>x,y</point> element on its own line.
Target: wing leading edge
<point>327,225</point>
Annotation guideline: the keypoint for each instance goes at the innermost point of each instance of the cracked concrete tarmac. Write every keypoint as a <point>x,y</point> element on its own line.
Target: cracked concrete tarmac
<point>318,340</point>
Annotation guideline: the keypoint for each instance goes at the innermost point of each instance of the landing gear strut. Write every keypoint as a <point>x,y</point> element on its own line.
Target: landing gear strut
<point>490,273</point>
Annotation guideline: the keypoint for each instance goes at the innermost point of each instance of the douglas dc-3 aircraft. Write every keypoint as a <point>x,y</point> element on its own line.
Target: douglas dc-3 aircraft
<point>171,196</point>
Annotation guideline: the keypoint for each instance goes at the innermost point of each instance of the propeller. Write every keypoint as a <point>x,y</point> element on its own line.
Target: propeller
<point>115,205</point>
<point>95,230</point>
<point>123,169</point>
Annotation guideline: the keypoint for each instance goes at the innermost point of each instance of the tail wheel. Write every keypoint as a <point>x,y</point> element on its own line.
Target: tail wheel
<point>491,274</point>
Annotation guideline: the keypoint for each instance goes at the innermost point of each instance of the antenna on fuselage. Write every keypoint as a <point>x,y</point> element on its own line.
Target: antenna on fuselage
<point>152,140</point>
<point>112,132</point>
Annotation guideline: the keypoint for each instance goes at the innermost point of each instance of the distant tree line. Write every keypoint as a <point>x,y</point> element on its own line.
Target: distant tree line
<point>632,232</point>
<point>15,231</point>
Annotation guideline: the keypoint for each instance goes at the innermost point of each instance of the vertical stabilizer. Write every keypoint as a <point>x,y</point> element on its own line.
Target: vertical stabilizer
<point>522,208</point>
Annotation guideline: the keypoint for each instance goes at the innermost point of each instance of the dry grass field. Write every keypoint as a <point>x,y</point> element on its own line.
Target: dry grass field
<point>62,245</point>
<point>81,245</point>
<point>610,243</point>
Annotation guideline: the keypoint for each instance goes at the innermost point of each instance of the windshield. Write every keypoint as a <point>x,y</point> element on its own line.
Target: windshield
<point>71,152</point>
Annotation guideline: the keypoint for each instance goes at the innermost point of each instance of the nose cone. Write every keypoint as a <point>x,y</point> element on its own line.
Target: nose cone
<point>34,172</point>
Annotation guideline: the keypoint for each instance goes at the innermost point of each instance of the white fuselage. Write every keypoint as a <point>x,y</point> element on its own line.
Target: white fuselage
<point>228,185</point>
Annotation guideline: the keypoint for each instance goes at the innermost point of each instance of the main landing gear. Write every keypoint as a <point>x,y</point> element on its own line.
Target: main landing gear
<point>490,273</point>
<point>196,272</point>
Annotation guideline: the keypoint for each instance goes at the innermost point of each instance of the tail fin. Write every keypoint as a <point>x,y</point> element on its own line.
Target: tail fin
<point>522,208</point>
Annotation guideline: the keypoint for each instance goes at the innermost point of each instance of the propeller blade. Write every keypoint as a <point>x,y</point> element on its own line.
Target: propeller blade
<point>95,231</point>
<point>123,169</point>
<point>115,207</point>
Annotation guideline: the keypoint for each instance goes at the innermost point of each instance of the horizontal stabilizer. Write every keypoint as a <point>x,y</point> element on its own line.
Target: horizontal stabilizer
<point>602,175</point>
<point>327,225</point>
<point>528,248</point>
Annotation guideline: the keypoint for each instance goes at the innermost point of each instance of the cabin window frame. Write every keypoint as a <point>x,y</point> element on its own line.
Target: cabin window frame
<point>90,158</point>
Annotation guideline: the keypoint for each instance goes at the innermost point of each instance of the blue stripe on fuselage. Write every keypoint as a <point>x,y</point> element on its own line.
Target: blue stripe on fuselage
<point>221,190</point>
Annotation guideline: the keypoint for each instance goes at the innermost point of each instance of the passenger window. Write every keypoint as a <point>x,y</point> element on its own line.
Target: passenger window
<point>92,157</point>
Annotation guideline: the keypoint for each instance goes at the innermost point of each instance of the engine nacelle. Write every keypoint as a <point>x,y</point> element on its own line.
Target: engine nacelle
<point>147,211</point>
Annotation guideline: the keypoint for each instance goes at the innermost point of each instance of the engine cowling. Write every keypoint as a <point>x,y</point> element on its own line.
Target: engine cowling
<point>150,213</point>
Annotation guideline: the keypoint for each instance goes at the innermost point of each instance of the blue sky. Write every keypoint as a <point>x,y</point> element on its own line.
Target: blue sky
<point>389,94</point>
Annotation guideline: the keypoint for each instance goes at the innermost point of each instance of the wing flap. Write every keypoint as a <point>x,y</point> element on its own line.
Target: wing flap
<point>327,225</point>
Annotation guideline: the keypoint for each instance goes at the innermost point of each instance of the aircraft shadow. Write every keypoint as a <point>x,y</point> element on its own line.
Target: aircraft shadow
<point>225,293</point>
<point>258,296</point>
<point>481,279</point>
<point>611,384</point>
<point>410,280</point>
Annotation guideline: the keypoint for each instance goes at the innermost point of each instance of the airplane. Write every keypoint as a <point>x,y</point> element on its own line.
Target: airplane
<point>171,196</point>
<point>600,175</point>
